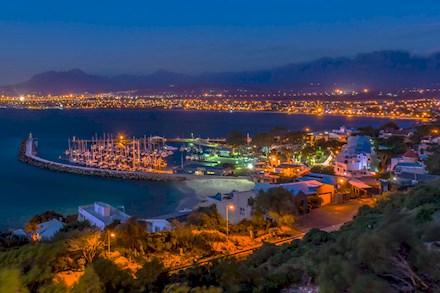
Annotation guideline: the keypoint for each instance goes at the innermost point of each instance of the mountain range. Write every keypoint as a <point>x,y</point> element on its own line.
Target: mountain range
<point>381,70</point>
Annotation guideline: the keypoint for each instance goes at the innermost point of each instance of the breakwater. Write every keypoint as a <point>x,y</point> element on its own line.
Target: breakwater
<point>27,153</point>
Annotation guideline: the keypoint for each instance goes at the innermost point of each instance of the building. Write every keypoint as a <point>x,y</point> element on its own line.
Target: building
<point>410,179</point>
<point>354,160</point>
<point>409,162</point>
<point>100,214</point>
<point>323,178</point>
<point>157,225</point>
<point>290,170</point>
<point>359,188</point>
<point>164,222</point>
<point>47,230</point>
<point>390,132</point>
<point>409,167</point>
<point>239,203</point>
<point>308,187</point>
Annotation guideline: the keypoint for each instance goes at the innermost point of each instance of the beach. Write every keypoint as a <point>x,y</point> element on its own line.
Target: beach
<point>197,190</point>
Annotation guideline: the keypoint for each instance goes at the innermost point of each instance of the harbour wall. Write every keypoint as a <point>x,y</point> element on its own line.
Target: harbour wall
<point>27,153</point>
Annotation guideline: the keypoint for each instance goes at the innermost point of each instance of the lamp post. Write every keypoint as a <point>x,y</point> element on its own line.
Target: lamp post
<point>228,207</point>
<point>109,234</point>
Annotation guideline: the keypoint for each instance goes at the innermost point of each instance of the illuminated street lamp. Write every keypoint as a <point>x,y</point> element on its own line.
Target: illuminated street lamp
<point>109,236</point>
<point>228,207</point>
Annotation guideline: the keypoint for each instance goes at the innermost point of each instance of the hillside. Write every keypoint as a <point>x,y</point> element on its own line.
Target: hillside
<point>393,246</point>
<point>382,70</point>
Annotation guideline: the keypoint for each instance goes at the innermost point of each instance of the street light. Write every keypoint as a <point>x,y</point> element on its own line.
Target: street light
<point>110,234</point>
<point>228,207</point>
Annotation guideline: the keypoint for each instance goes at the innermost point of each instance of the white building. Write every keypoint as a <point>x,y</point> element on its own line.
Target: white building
<point>157,225</point>
<point>100,214</point>
<point>47,230</point>
<point>239,201</point>
<point>354,160</point>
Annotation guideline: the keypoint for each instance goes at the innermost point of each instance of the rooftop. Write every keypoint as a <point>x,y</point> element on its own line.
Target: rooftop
<point>307,187</point>
<point>114,213</point>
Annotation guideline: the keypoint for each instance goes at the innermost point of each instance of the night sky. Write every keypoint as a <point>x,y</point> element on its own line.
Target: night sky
<point>139,37</point>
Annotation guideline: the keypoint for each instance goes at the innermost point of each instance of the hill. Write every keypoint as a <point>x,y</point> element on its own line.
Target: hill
<point>382,70</point>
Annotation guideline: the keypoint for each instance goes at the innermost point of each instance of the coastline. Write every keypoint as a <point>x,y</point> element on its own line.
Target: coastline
<point>237,111</point>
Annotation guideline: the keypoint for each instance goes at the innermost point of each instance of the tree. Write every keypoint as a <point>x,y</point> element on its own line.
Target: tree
<point>323,170</point>
<point>131,234</point>
<point>112,277</point>
<point>88,245</point>
<point>32,225</point>
<point>148,275</point>
<point>236,138</point>
<point>88,283</point>
<point>390,124</point>
<point>206,217</point>
<point>278,203</point>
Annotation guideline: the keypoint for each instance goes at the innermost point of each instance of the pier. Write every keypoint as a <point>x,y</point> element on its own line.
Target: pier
<point>28,153</point>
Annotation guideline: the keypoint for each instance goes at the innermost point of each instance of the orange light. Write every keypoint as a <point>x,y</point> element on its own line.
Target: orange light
<point>112,235</point>
<point>341,180</point>
<point>231,207</point>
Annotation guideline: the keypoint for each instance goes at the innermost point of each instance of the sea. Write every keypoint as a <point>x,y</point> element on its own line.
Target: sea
<point>26,190</point>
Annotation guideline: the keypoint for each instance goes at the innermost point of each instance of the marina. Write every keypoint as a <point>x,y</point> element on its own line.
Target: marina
<point>120,153</point>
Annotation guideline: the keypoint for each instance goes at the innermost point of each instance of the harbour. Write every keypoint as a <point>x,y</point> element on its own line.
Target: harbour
<point>26,190</point>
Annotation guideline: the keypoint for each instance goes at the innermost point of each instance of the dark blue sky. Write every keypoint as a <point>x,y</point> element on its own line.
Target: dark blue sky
<point>113,37</point>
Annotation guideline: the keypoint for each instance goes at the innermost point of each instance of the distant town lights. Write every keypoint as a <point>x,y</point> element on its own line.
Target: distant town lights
<point>21,98</point>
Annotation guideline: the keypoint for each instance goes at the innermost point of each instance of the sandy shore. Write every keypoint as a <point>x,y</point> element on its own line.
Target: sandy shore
<point>198,189</point>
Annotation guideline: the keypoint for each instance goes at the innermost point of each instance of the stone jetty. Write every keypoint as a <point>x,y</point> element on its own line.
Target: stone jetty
<point>28,154</point>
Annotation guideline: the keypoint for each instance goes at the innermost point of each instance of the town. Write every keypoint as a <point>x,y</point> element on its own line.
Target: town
<point>419,108</point>
<point>301,180</point>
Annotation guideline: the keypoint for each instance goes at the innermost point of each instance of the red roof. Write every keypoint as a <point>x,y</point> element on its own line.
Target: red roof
<point>411,154</point>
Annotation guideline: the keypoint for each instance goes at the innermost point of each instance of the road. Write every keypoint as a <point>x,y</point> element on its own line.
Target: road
<point>328,218</point>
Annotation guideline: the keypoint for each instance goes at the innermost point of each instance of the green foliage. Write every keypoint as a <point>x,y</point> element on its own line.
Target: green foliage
<point>87,245</point>
<point>330,170</point>
<point>32,225</point>
<point>433,161</point>
<point>147,276</point>
<point>207,218</point>
<point>391,125</point>
<point>10,281</point>
<point>278,204</point>
<point>236,138</point>
<point>368,130</point>
<point>89,282</point>
<point>111,276</point>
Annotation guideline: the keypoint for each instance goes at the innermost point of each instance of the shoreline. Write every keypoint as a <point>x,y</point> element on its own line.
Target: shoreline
<point>238,111</point>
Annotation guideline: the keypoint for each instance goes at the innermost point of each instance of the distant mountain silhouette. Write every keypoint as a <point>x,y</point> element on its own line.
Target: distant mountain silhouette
<point>380,70</point>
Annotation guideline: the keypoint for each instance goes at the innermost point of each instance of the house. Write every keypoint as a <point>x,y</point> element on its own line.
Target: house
<point>354,160</point>
<point>389,132</point>
<point>21,234</point>
<point>164,222</point>
<point>48,229</point>
<point>410,167</point>
<point>239,204</point>
<point>290,170</point>
<point>157,225</point>
<point>359,188</point>
<point>408,157</point>
<point>411,179</point>
<point>308,187</point>
<point>323,178</point>
<point>100,214</point>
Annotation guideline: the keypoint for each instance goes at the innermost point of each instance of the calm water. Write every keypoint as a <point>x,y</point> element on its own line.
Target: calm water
<point>26,190</point>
